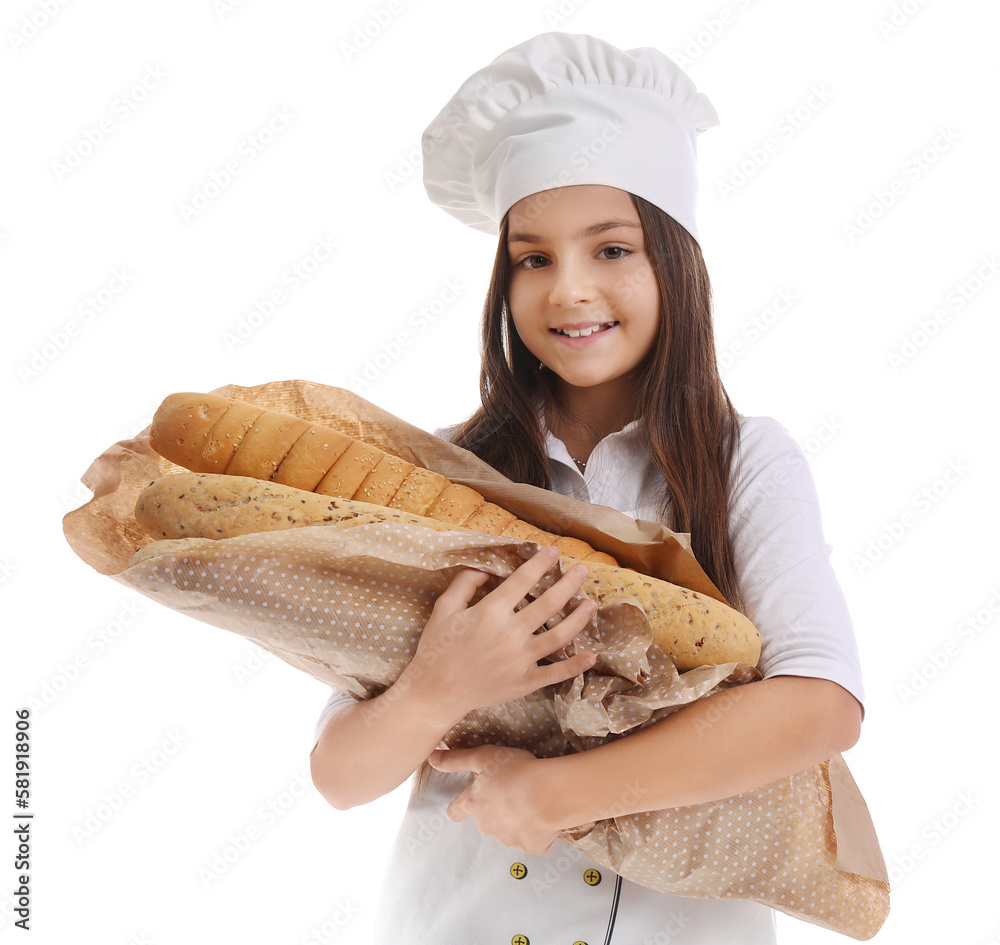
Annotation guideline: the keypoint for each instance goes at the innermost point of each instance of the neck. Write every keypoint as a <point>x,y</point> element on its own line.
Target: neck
<point>588,414</point>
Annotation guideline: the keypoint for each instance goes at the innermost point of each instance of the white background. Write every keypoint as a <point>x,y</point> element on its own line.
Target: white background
<point>903,449</point>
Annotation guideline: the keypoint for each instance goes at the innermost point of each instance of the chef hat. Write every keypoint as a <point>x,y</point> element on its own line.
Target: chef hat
<point>563,109</point>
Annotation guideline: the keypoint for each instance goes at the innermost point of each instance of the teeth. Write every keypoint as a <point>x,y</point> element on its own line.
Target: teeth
<point>583,332</point>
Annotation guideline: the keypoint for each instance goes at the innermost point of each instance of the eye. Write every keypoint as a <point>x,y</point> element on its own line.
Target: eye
<point>529,262</point>
<point>616,252</point>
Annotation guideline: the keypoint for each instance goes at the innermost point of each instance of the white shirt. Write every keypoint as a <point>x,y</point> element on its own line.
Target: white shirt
<point>449,884</point>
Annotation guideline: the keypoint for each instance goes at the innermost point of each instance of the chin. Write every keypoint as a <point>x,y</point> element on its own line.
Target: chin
<point>586,381</point>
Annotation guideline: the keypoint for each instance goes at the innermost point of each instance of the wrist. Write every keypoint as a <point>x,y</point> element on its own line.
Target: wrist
<point>560,793</point>
<point>579,791</point>
<point>426,700</point>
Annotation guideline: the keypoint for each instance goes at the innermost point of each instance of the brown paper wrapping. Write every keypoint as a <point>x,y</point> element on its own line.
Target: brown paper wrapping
<point>347,606</point>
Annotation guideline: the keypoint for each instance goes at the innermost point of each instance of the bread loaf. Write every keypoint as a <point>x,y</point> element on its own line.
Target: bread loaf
<point>211,434</point>
<point>694,630</point>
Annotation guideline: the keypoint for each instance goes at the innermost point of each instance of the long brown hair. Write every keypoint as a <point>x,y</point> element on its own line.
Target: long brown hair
<point>687,418</point>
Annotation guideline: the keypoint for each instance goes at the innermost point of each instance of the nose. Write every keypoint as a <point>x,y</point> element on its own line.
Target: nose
<point>571,284</point>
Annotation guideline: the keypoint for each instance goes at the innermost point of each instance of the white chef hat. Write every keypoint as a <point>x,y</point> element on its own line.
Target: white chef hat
<point>563,109</point>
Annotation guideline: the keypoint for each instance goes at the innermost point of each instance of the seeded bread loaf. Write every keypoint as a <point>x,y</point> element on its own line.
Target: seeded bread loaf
<point>693,629</point>
<point>210,434</point>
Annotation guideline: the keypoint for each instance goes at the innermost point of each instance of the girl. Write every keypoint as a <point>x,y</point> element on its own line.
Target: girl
<point>599,380</point>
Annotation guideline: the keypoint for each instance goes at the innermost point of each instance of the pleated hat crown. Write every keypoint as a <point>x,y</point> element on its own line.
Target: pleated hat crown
<point>562,109</point>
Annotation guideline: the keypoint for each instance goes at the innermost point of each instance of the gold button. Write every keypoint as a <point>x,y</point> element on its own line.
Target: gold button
<point>592,877</point>
<point>579,943</point>
<point>518,870</point>
<point>520,940</point>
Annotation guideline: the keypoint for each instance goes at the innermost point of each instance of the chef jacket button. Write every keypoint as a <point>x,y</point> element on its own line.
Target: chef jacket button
<point>518,870</point>
<point>520,940</point>
<point>592,877</point>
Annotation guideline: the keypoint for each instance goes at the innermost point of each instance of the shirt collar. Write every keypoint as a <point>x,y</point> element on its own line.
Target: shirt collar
<point>627,437</point>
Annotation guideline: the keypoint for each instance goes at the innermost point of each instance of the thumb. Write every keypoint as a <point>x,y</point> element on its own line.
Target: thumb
<point>454,759</point>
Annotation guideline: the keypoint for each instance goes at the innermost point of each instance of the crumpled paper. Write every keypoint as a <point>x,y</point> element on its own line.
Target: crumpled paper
<point>347,606</point>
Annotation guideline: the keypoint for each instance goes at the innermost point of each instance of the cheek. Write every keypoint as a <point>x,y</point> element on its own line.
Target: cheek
<point>647,308</point>
<point>522,307</point>
<point>521,325</point>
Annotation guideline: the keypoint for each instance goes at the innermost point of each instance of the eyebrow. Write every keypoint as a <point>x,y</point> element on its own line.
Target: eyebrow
<point>592,230</point>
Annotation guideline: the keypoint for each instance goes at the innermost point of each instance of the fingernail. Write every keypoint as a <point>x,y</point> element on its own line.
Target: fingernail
<point>435,756</point>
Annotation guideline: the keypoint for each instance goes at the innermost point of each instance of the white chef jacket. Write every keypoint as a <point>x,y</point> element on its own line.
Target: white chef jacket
<point>448,884</point>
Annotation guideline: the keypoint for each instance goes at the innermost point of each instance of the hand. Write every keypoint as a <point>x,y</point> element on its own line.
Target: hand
<point>472,657</point>
<point>504,796</point>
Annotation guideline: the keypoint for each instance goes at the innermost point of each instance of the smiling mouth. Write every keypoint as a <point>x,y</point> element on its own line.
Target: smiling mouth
<point>583,332</point>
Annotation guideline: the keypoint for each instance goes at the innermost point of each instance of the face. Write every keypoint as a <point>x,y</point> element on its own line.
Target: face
<point>583,295</point>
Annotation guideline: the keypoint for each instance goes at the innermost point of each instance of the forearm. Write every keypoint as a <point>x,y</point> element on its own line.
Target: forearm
<point>733,741</point>
<point>370,748</point>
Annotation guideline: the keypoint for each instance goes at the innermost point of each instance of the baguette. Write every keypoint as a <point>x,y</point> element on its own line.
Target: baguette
<point>694,630</point>
<point>210,434</point>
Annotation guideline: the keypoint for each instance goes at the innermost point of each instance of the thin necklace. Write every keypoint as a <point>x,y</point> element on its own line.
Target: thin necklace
<point>580,463</point>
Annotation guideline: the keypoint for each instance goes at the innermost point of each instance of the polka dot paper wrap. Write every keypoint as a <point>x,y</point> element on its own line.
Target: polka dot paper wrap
<point>346,606</point>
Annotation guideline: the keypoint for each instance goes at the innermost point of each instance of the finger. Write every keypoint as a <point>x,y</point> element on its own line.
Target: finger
<point>459,593</point>
<point>563,633</point>
<point>455,759</point>
<point>560,670</point>
<point>517,585</point>
<point>555,598</point>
